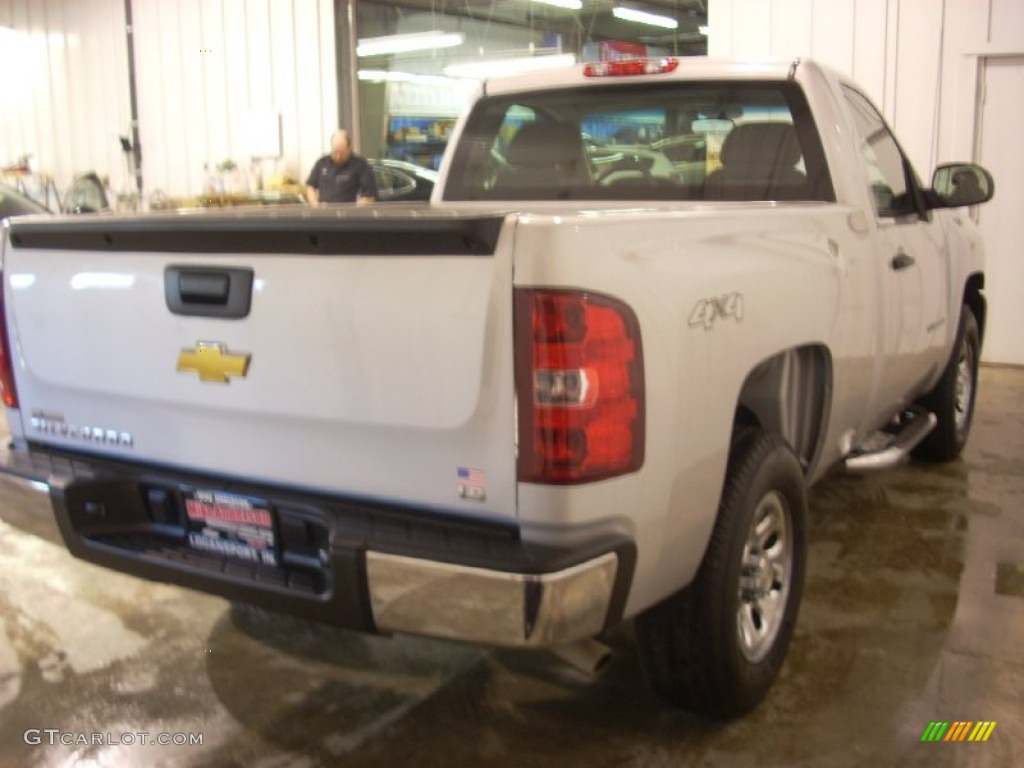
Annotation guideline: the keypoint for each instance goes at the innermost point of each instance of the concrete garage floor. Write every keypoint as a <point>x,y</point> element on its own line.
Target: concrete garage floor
<point>914,612</point>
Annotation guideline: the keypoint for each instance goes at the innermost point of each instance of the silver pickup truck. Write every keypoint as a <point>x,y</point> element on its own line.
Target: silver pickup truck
<point>650,303</point>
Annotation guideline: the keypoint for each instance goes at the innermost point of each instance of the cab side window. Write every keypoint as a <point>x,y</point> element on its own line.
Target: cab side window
<point>889,173</point>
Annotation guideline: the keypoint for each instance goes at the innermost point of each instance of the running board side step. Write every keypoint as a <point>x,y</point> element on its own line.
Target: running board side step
<point>887,449</point>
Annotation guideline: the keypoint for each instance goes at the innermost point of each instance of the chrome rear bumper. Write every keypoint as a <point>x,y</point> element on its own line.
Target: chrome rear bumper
<point>489,607</point>
<point>503,592</point>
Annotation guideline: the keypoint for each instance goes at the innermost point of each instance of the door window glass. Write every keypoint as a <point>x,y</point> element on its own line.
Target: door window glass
<point>888,177</point>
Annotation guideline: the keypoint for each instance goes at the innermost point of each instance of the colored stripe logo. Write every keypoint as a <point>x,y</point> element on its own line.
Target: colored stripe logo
<point>959,730</point>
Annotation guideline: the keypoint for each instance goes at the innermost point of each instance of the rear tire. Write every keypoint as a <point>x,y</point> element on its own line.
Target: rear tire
<point>952,399</point>
<point>717,646</point>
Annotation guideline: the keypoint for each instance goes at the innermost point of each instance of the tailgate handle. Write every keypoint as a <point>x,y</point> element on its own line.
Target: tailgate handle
<point>203,288</point>
<point>208,291</point>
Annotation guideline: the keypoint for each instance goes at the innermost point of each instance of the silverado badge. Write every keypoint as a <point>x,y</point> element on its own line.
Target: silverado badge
<point>212,362</point>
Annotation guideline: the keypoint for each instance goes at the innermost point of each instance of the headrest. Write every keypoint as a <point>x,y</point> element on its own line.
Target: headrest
<point>543,144</point>
<point>761,144</point>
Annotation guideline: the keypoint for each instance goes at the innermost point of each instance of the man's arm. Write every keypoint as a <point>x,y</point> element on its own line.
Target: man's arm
<point>367,186</point>
<point>312,191</point>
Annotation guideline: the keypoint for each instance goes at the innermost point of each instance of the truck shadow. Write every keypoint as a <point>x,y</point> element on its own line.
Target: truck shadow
<point>886,553</point>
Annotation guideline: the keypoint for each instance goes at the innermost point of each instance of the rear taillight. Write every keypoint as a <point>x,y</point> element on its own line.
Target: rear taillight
<point>579,377</point>
<point>10,395</point>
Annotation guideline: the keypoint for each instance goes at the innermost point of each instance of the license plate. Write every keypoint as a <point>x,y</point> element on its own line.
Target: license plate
<point>226,524</point>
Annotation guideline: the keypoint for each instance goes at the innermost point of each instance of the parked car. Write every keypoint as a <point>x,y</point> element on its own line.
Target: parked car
<point>15,203</point>
<point>399,181</point>
<point>87,195</point>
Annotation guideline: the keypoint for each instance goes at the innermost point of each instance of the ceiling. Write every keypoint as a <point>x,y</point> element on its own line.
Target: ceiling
<point>593,23</point>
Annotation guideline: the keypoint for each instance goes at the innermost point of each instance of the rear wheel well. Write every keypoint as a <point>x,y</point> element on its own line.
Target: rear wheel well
<point>790,393</point>
<point>974,297</point>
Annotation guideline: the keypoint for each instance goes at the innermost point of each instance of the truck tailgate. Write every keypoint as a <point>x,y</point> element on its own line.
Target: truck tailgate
<point>356,351</point>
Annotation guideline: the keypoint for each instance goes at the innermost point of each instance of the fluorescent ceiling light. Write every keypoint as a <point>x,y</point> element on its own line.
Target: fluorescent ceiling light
<point>388,76</point>
<point>498,67</point>
<point>642,17</point>
<point>572,5</point>
<point>415,41</point>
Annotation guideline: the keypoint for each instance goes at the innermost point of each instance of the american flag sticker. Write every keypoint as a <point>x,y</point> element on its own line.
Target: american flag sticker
<point>472,483</point>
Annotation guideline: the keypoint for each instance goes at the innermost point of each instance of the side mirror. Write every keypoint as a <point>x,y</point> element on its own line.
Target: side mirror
<point>958,184</point>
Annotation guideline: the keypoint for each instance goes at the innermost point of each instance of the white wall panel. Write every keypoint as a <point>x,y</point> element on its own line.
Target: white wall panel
<point>917,59</point>
<point>65,87</point>
<point>236,82</point>
<point>38,67</point>
<point>921,62</point>
<point>258,62</point>
<point>328,79</point>
<point>187,78</point>
<point>870,47</point>
<point>792,28</point>
<point>54,132</point>
<point>310,139</point>
<point>84,134</point>
<point>832,43</point>
<point>892,36</point>
<point>966,30</point>
<point>231,60</point>
<point>914,116</point>
<point>107,91</point>
<point>1000,221</point>
<point>753,35</point>
<point>203,67</point>
<point>1006,26</point>
<point>284,83</point>
<point>721,23</point>
<point>214,67</point>
<point>157,60</point>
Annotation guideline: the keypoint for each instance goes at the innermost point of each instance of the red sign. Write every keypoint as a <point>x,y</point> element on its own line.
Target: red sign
<point>202,510</point>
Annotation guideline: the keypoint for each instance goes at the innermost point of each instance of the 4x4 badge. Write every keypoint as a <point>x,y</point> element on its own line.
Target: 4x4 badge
<point>212,362</point>
<point>707,311</point>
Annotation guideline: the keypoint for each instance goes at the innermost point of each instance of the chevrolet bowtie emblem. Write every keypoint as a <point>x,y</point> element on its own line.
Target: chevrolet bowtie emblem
<point>212,362</point>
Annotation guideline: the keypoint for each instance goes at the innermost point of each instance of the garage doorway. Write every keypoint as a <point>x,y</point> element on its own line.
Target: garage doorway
<point>1000,221</point>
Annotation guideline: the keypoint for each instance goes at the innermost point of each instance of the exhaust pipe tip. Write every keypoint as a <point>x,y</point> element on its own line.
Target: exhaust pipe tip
<point>589,656</point>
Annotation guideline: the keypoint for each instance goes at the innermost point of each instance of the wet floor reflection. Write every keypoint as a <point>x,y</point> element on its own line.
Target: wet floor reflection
<point>903,621</point>
<point>885,559</point>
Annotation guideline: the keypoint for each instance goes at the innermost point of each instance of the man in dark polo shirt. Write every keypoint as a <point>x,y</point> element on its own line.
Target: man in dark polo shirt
<point>342,176</point>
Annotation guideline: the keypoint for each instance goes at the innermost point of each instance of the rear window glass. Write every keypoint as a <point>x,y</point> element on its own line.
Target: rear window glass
<point>682,140</point>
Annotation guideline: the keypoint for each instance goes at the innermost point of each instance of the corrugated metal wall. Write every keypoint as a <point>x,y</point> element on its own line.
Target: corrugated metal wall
<point>65,86</point>
<point>923,61</point>
<point>916,58</point>
<point>211,70</point>
<point>887,46</point>
<point>208,73</point>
